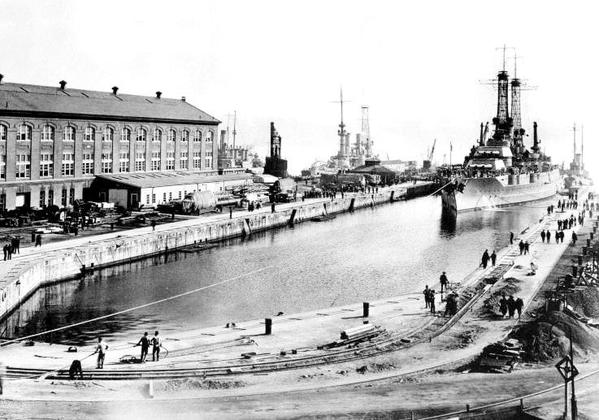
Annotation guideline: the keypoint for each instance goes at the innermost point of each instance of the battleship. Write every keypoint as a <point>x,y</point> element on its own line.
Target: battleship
<point>501,171</point>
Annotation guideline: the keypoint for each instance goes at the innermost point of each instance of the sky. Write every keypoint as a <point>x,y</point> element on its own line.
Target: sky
<point>420,66</point>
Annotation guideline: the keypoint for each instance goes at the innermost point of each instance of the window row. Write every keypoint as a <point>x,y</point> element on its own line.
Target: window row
<point>46,165</point>
<point>48,133</point>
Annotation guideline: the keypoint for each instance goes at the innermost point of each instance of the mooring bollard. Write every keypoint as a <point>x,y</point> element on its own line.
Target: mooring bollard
<point>365,309</point>
<point>268,326</point>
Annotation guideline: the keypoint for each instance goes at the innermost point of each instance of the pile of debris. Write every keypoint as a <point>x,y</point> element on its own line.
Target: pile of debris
<point>501,357</point>
<point>354,336</point>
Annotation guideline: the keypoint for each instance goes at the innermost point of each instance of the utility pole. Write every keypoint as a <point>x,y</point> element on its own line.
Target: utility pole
<point>574,405</point>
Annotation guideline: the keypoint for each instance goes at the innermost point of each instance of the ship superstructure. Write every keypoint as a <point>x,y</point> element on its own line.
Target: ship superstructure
<point>500,170</point>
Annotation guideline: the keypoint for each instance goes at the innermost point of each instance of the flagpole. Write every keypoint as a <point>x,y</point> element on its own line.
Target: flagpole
<point>450,150</point>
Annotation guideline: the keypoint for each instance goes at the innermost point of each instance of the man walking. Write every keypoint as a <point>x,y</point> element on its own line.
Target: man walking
<point>511,306</point>
<point>519,304</point>
<point>101,349</point>
<point>144,342</point>
<point>511,238</point>
<point>426,293</point>
<point>156,344</point>
<point>432,300</point>
<point>443,279</point>
<point>485,258</point>
<point>521,246</point>
<point>543,236</point>
<point>493,258</point>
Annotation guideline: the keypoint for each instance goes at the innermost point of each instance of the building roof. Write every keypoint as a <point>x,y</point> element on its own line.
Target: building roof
<point>170,178</point>
<point>21,99</point>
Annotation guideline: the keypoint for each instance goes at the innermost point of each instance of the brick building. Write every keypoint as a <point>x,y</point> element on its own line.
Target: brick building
<point>55,140</point>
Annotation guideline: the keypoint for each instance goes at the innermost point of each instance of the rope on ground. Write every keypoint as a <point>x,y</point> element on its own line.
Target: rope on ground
<point>145,305</point>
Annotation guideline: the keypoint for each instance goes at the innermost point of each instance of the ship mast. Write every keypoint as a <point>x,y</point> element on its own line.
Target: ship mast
<point>502,122</point>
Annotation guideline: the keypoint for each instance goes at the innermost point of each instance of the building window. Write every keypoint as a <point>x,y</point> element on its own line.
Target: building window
<point>170,196</point>
<point>50,197</point>
<point>140,161</point>
<point>108,135</point>
<point>87,164</point>
<point>106,162</point>
<point>164,197</point>
<point>24,133</point>
<point>46,165</point>
<point>157,135</point>
<point>71,196</point>
<point>197,136</point>
<point>183,161</point>
<point>155,161</point>
<point>147,198</point>
<point>2,201</point>
<point>23,166</point>
<point>43,198</point>
<point>197,160</point>
<point>47,133</point>
<point>2,166</point>
<point>90,134</point>
<point>126,135</point>
<point>142,135</point>
<point>68,164</point>
<point>63,198</point>
<point>3,132</point>
<point>124,162</point>
<point>172,135</point>
<point>170,161</point>
<point>153,198</point>
<point>208,158</point>
<point>185,136</point>
<point>209,137</point>
<point>69,134</point>
<point>179,194</point>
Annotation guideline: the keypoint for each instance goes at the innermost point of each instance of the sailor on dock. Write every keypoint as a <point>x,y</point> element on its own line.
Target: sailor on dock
<point>485,258</point>
<point>444,281</point>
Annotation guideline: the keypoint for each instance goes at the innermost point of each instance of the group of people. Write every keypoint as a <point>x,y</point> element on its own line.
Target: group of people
<point>451,301</point>
<point>12,247</point>
<point>486,257</point>
<point>510,306</point>
<point>524,247</point>
<point>145,342</point>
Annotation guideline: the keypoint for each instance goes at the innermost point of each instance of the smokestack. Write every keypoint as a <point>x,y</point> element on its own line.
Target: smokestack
<point>1,77</point>
<point>115,89</point>
<point>482,135</point>
<point>62,84</point>
<point>535,138</point>
<point>158,94</point>
<point>223,133</point>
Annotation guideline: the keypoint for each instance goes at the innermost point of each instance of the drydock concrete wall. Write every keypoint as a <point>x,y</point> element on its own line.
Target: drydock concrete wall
<point>52,266</point>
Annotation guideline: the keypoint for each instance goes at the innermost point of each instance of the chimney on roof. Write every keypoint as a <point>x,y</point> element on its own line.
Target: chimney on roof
<point>183,98</point>
<point>1,77</point>
<point>158,95</point>
<point>62,84</point>
<point>115,89</point>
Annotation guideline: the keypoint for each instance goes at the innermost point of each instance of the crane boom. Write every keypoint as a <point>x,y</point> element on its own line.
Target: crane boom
<point>432,152</point>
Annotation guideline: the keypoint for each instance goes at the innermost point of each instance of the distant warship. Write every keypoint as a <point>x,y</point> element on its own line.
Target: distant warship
<point>501,171</point>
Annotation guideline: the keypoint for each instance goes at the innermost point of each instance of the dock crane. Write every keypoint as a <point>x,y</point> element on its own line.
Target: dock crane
<point>426,165</point>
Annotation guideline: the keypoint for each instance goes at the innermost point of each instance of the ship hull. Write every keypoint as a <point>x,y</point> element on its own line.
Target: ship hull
<point>501,191</point>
